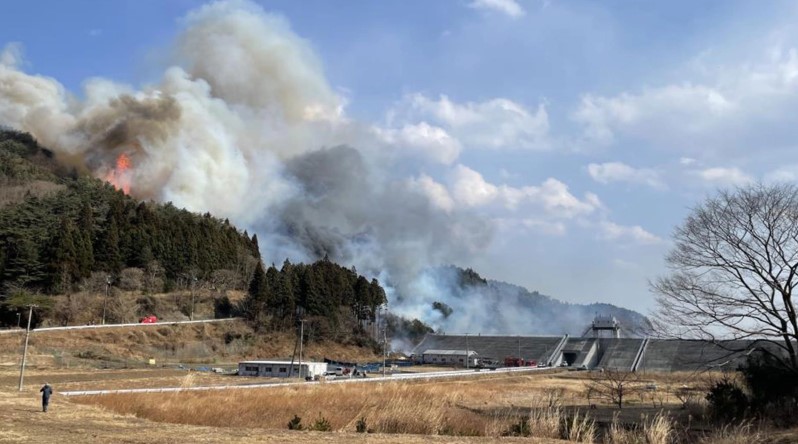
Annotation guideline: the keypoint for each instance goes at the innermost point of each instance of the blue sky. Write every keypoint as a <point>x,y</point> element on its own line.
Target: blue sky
<point>583,130</point>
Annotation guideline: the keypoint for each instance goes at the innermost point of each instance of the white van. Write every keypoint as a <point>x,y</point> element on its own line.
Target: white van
<point>335,371</point>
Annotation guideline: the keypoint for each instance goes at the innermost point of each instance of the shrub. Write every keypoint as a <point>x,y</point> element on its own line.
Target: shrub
<point>295,423</point>
<point>130,279</point>
<point>727,401</point>
<point>519,428</point>
<point>321,424</point>
<point>223,308</point>
<point>773,388</point>
<point>360,425</point>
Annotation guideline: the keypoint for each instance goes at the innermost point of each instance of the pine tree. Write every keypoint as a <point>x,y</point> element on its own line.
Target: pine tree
<point>111,257</point>
<point>63,268</point>
<point>256,296</point>
<point>255,246</point>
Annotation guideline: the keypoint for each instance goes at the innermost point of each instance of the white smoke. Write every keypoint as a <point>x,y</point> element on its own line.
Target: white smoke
<point>243,124</point>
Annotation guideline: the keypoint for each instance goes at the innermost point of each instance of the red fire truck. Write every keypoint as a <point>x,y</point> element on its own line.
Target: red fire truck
<point>148,320</point>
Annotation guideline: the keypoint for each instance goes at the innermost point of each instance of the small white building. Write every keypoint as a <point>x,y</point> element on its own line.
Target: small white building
<point>450,357</point>
<point>281,369</point>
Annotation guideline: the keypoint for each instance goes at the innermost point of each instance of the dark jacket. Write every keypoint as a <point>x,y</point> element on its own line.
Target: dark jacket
<point>47,391</point>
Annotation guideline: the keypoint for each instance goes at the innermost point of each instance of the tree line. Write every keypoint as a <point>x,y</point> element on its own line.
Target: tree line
<point>336,301</point>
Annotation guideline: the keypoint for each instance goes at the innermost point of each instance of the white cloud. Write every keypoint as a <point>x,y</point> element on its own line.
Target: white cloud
<point>544,226</point>
<point>735,104</point>
<point>508,7</point>
<point>686,161</point>
<point>497,123</point>
<point>688,107</point>
<point>431,142</point>
<point>11,55</point>
<point>470,189</point>
<point>436,192</point>
<point>620,172</point>
<point>725,176</point>
<point>787,173</point>
<point>625,265</point>
<point>614,232</point>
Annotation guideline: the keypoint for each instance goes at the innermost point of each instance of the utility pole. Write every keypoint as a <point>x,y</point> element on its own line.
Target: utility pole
<point>384,337</point>
<point>301,341</point>
<point>25,349</point>
<point>377,324</point>
<point>193,282</point>
<point>105,300</point>
<point>384,348</point>
<point>467,357</point>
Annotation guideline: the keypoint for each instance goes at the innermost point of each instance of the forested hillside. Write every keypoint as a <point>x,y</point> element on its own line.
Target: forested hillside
<point>67,236</point>
<point>511,309</point>
<point>335,302</point>
<point>58,227</point>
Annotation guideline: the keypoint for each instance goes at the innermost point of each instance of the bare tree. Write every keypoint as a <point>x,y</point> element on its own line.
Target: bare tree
<point>122,307</point>
<point>130,279</point>
<point>153,283</point>
<point>223,280</point>
<point>612,385</point>
<point>734,266</point>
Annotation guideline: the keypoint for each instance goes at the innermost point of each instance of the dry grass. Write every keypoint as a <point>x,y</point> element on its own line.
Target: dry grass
<point>440,411</point>
<point>581,429</point>
<point>656,430</point>
<point>745,433</point>
<point>546,422</point>
<point>199,343</point>
<point>68,423</point>
<point>389,408</point>
<point>490,407</point>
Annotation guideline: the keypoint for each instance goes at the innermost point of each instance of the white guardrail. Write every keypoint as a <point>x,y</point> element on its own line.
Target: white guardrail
<point>137,324</point>
<point>399,377</point>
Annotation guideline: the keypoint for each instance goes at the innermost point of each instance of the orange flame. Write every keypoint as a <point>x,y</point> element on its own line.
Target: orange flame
<point>119,177</point>
<point>122,163</point>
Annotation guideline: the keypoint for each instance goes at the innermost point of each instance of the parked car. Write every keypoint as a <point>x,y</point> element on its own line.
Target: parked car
<point>148,320</point>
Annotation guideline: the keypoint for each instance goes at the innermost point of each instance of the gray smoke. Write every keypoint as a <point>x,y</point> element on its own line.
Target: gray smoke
<point>243,124</point>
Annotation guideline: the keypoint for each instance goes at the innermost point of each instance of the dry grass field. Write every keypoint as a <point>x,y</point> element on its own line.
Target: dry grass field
<point>70,422</point>
<point>465,411</point>
<point>547,405</point>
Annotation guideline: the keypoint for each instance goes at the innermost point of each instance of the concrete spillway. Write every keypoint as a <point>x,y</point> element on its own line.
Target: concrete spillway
<point>685,355</point>
<point>616,353</point>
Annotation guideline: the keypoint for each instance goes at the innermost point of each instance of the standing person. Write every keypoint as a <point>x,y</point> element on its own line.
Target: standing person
<point>47,391</point>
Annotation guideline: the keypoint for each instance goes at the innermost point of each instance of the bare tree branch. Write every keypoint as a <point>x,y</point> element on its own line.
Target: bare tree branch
<point>733,267</point>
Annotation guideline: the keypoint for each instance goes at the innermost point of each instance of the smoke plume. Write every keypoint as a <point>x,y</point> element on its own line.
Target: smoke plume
<point>243,123</point>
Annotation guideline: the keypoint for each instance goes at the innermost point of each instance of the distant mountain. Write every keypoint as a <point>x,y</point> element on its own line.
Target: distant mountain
<point>477,305</point>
